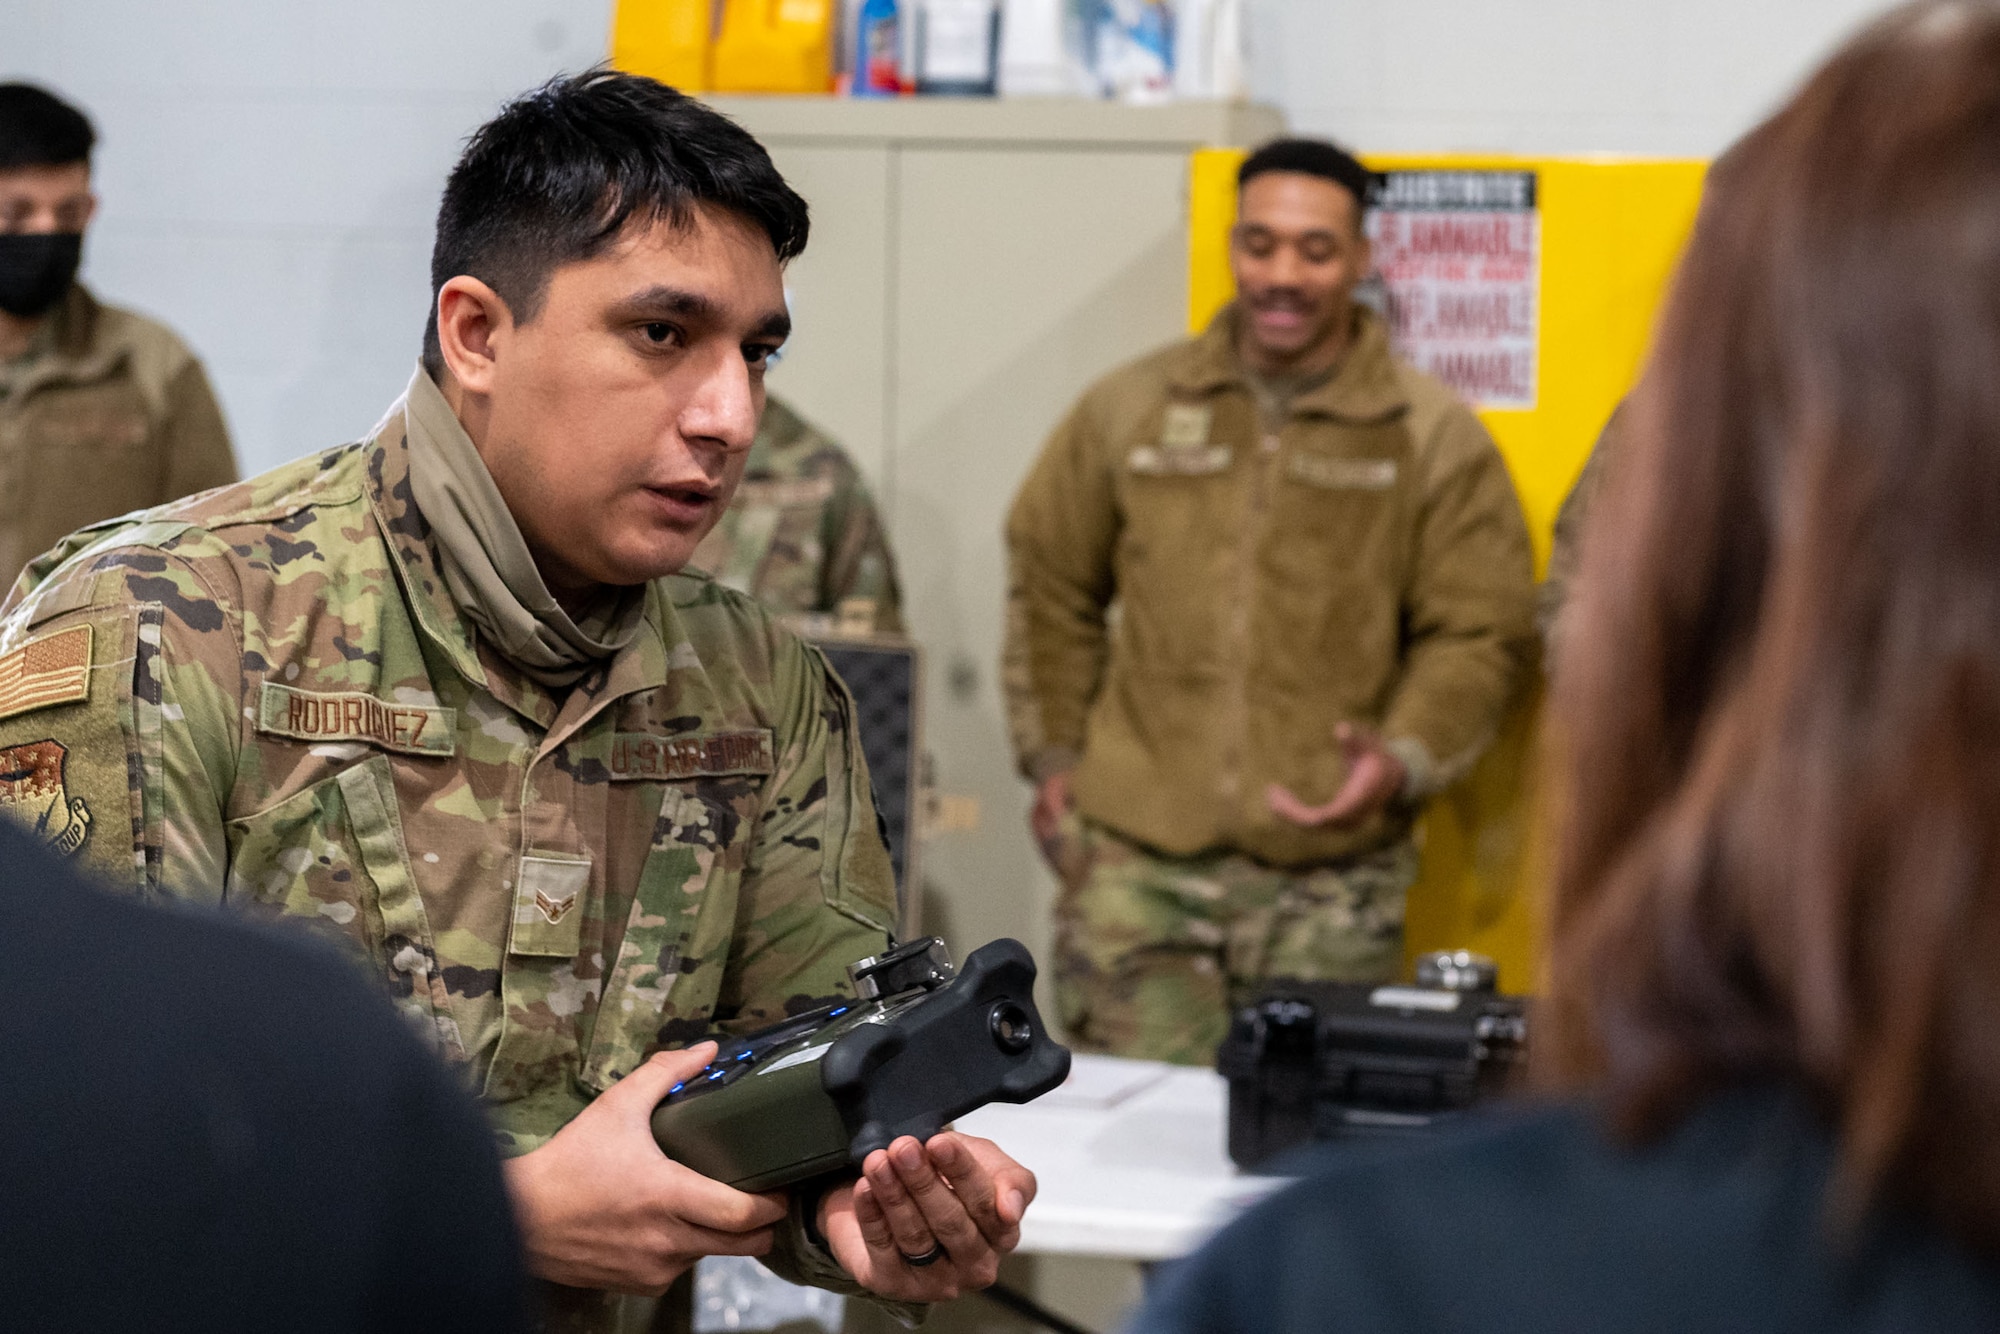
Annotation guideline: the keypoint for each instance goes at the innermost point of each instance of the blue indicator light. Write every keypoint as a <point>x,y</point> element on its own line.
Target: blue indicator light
<point>676,1088</point>
<point>744,1056</point>
<point>717,1075</point>
<point>835,1014</point>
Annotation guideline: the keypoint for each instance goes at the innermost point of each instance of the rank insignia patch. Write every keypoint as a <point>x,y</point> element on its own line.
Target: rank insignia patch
<point>54,669</point>
<point>32,788</point>
<point>546,898</point>
<point>553,910</point>
<point>1185,426</point>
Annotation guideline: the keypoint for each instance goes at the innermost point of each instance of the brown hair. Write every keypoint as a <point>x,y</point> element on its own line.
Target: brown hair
<point>1776,727</point>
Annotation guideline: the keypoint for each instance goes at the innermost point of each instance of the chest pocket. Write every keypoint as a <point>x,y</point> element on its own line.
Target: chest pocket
<point>1178,550</point>
<point>96,421</point>
<point>84,455</point>
<point>333,858</point>
<point>683,919</point>
<point>1337,513</point>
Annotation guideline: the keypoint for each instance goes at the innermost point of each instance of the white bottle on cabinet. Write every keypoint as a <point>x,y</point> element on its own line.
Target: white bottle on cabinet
<point>1034,61</point>
<point>1208,50</point>
<point>957,46</point>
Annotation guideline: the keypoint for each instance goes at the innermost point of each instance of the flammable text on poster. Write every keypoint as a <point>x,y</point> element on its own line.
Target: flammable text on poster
<point>1459,255</point>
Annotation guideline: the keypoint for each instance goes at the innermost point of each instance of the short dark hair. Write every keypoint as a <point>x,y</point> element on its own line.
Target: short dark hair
<point>555,177</point>
<point>1313,157</point>
<point>39,129</point>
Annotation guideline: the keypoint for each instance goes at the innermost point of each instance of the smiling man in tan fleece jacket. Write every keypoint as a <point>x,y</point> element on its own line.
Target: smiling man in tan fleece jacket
<point>1324,600</point>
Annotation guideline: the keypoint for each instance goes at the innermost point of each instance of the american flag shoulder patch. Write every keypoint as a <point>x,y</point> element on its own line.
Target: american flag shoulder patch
<point>54,669</point>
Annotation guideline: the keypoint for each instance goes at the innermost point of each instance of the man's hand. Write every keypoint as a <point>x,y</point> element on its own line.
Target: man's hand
<point>1052,802</point>
<point>601,1207</point>
<point>1374,777</point>
<point>956,1191</point>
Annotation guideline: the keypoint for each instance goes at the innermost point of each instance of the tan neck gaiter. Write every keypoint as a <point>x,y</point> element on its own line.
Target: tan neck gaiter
<point>487,563</point>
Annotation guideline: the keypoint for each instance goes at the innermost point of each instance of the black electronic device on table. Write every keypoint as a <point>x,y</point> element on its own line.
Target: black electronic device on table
<point>1322,1060</point>
<point>920,1044</point>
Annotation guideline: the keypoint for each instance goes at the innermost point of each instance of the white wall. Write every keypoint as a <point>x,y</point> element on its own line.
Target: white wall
<point>269,172</point>
<point>269,175</point>
<point>1660,78</point>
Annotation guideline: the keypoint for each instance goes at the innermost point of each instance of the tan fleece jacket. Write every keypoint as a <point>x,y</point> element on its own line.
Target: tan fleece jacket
<point>1367,561</point>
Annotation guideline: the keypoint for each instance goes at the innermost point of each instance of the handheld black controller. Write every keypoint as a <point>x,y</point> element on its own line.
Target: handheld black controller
<point>918,1046</point>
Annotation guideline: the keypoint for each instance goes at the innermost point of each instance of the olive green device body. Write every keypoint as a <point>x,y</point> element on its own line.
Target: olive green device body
<point>818,1093</point>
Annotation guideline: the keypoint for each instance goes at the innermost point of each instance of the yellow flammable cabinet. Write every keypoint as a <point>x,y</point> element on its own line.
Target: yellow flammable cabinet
<point>1609,234</point>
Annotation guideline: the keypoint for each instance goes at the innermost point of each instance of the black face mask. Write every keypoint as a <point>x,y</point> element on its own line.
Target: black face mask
<point>36,268</point>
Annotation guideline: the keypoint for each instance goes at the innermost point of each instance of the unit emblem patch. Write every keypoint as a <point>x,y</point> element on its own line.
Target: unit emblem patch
<point>32,790</point>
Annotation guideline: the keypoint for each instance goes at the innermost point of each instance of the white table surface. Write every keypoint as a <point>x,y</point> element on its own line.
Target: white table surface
<point>1130,1159</point>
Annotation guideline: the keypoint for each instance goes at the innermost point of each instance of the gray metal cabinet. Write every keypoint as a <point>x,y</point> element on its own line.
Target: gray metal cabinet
<point>974,265</point>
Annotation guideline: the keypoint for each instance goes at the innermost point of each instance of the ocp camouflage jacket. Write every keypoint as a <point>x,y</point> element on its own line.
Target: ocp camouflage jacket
<point>803,535</point>
<point>266,697</point>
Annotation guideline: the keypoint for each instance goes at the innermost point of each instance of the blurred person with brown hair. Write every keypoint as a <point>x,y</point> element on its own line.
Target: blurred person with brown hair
<point>1772,1006</point>
<point>101,410</point>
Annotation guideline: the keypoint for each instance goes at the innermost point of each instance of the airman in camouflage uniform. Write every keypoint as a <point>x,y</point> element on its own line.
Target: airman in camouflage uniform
<point>270,688</point>
<point>803,536</point>
<point>573,808</point>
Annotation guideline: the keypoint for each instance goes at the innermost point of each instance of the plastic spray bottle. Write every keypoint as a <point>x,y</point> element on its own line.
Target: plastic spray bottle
<point>878,50</point>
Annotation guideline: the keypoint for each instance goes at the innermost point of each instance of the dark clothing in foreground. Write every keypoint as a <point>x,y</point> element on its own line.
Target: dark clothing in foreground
<point>1536,1223</point>
<point>207,1126</point>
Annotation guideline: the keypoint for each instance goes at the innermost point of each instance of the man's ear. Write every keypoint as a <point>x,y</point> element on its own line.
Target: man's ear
<point>471,320</point>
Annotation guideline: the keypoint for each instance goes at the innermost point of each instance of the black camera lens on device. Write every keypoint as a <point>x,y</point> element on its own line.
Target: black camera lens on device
<point>1013,1031</point>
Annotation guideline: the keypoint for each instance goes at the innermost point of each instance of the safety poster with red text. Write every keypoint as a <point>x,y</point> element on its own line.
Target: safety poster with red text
<point>1459,255</point>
